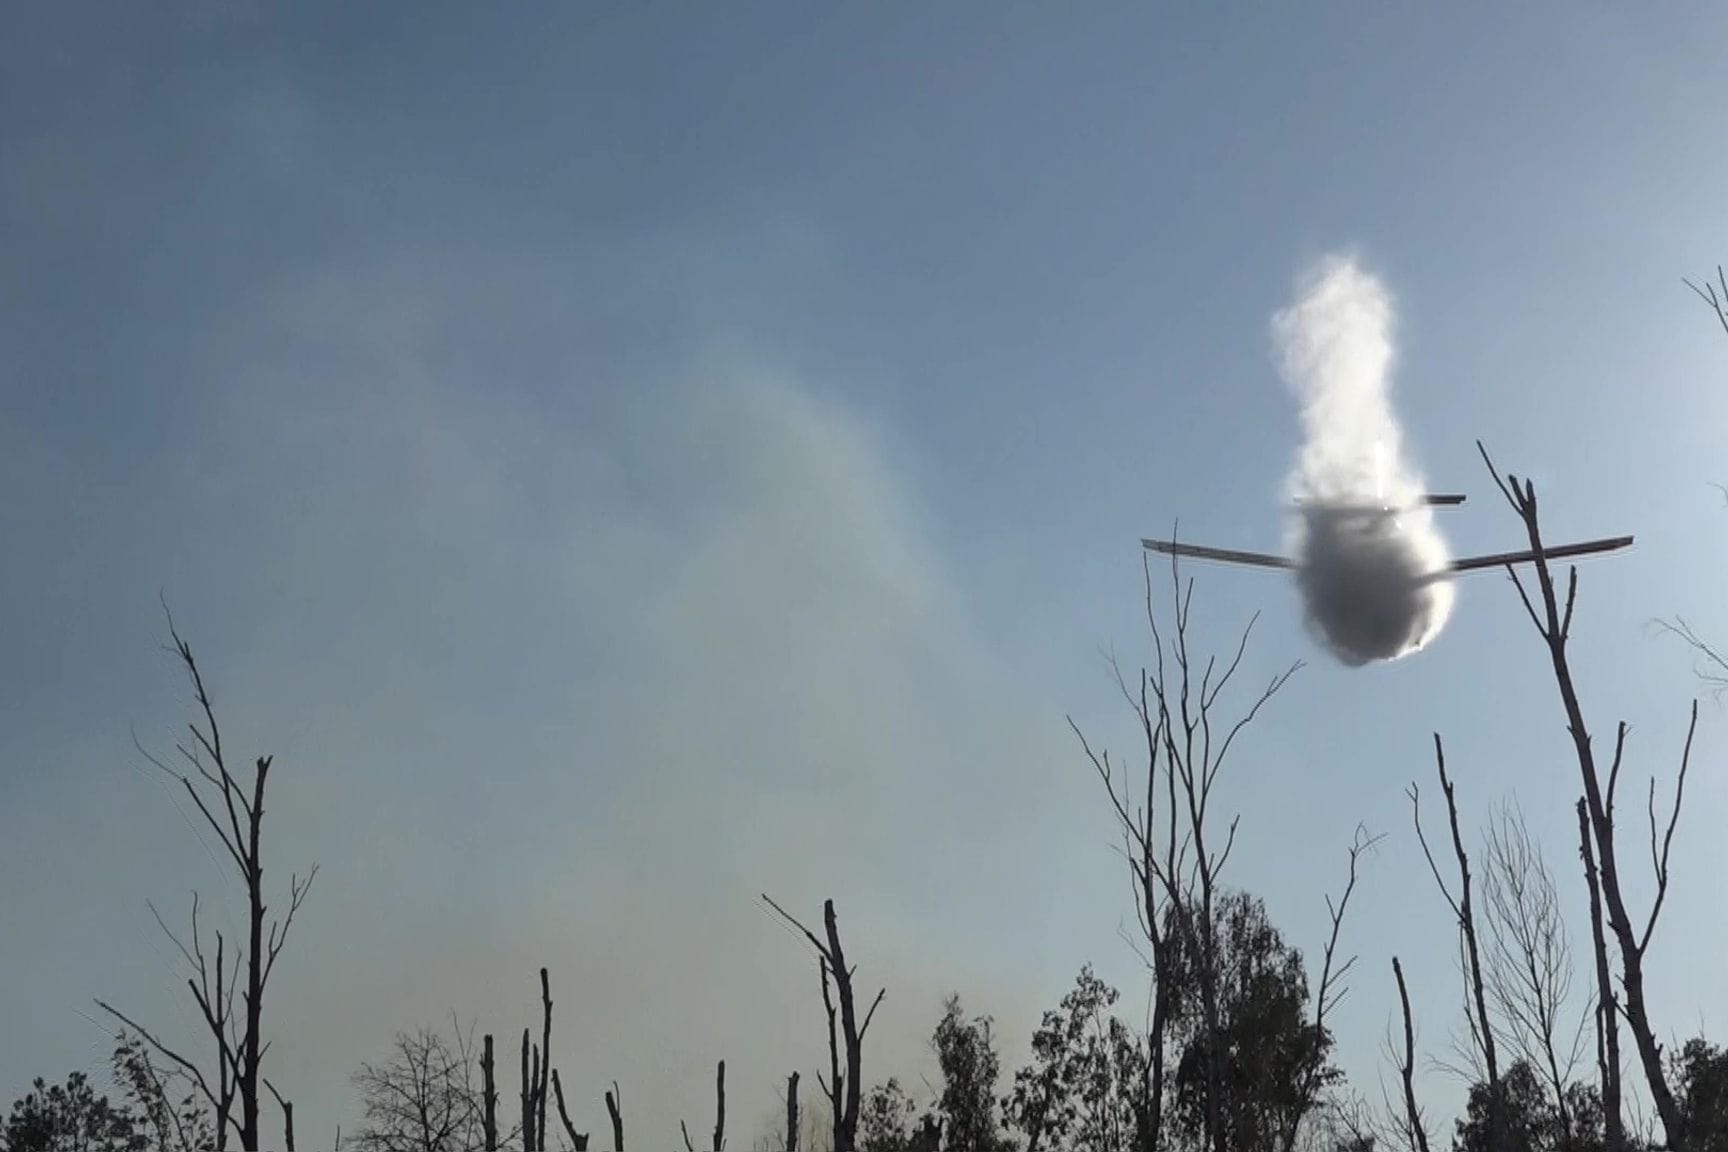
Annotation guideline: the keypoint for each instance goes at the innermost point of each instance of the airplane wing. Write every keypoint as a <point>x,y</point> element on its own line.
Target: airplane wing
<point>1468,564</point>
<point>1558,552</point>
<point>1227,555</point>
<point>1430,500</point>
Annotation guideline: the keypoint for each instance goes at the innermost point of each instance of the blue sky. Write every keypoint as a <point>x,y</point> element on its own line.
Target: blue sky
<point>621,461</point>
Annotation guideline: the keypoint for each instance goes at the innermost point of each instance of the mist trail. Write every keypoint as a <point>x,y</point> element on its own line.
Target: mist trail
<point>1360,575</point>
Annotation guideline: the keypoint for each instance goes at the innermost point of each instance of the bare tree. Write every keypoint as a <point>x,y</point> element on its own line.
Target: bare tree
<point>539,1084</point>
<point>719,1114</point>
<point>545,1063</point>
<point>234,810</point>
<point>1606,1012</point>
<point>1350,1124</point>
<point>578,1140</point>
<point>423,1098</point>
<point>489,1095</point>
<point>530,1088</point>
<point>1529,961</point>
<point>1554,624</point>
<point>615,1111</point>
<point>1413,1127</point>
<point>1332,990</point>
<point>843,1087</point>
<point>1173,868</point>
<point>1463,912</point>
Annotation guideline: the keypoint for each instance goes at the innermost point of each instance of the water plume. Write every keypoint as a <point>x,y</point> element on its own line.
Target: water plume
<point>1366,576</point>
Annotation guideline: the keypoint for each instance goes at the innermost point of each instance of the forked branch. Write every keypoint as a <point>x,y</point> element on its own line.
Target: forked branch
<point>1717,303</point>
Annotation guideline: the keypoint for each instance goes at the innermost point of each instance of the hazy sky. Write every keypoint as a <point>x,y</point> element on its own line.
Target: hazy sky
<point>622,461</point>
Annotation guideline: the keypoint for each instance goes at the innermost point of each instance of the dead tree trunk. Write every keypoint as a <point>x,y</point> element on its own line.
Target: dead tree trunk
<point>1607,1007</point>
<point>843,1088</point>
<point>720,1108</point>
<point>615,1109</point>
<point>719,1114</point>
<point>287,1107</point>
<point>236,814</point>
<point>578,1140</point>
<point>835,1086</point>
<point>792,1113</point>
<point>1464,913</point>
<point>529,1075</point>
<point>1554,625</point>
<point>544,1071</point>
<point>545,1062</point>
<point>489,1094</point>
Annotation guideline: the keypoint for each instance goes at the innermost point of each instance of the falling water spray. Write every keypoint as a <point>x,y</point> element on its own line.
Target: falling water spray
<point>1368,581</point>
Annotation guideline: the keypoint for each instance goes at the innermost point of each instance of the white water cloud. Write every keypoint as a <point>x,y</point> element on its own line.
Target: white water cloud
<point>1365,579</point>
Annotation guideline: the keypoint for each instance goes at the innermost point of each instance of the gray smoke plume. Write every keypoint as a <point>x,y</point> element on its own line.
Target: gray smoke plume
<point>1366,578</point>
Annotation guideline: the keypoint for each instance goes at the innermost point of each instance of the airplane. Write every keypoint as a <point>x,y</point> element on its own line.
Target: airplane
<point>1443,500</point>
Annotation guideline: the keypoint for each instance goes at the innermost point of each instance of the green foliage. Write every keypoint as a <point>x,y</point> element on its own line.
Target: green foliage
<point>70,1118</point>
<point>1265,1042</point>
<point>966,1051</point>
<point>1531,1116</point>
<point>1527,1114</point>
<point>175,1127</point>
<point>884,1121</point>
<point>1700,1077</point>
<point>1085,1087</point>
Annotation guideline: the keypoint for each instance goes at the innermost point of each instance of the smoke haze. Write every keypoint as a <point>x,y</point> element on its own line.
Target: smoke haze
<point>1361,576</point>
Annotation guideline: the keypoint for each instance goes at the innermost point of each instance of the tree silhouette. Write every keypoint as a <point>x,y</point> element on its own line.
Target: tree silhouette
<point>178,1125</point>
<point>423,1098</point>
<point>1263,1043</point>
<point>1176,859</point>
<point>844,1083</point>
<point>70,1117</point>
<point>1084,1087</point>
<point>971,1067</point>
<point>1531,1119</point>
<point>885,1119</point>
<point>1529,959</point>
<point>1700,1074</point>
<point>1554,624</point>
<point>234,810</point>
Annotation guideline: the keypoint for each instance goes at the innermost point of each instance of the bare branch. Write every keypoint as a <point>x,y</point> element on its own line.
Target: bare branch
<point>871,1015</point>
<point>1717,304</point>
<point>821,948</point>
<point>1660,861</point>
<point>1415,795</point>
<point>186,1065</point>
<point>1414,1128</point>
<point>1600,823</point>
<point>1712,668</point>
